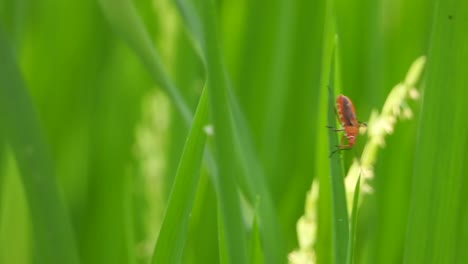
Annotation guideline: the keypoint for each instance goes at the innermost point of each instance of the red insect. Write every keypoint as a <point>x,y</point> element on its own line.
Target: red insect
<point>349,124</point>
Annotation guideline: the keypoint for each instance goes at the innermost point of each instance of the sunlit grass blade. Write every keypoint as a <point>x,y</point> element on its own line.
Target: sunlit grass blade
<point>223,255</point>
<point>173,233</point>
<point>354,222</point>
<point>122,15</point>
<point>124,18</point>
<point>255,183</point>
<point>205,31</point>
<point>225,183</point>
<point>254,178</point>
<point>53,235</point>
<point>439,186</point>
<point>256,252</point>
<point>324,252</point>
<point>340,228</point>
<point>2,156</point>
<point>253,174</point>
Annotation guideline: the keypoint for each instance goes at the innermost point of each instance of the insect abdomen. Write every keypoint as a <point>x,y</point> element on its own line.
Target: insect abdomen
<point>346,111</point>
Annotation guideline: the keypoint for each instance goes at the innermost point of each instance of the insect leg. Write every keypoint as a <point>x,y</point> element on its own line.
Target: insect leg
<point>335,129</point>
<point>333,152</point>
<point>340,147</point>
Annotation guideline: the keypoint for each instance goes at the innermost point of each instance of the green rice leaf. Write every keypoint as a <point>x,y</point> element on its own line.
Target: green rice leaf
<point>354,222</point>
<point>340,228</point>
<point>123,17</point>
<point>439,186</point>
<point>174,229</point>
<point>53,235</point>
<point>205,30</point>
<point>256,252</point>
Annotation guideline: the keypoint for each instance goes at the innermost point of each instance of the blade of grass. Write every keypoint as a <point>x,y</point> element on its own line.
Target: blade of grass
<point>253,174</point>
<point>340,226</point>
<point>14,216</point>
<point>2,161</point>
<point>203,235</point>
<point>123,17</point>
<point>223,256</point>
<point>171,239</point>
<point>254,177</point>
<point>462,225</point>
<point>279,90</point>
<point>225,184</point>
<point>323,249</point>
<point>353,226</point>
<point>437,200</point>
<point>53,234</point>
<point>256,253</point>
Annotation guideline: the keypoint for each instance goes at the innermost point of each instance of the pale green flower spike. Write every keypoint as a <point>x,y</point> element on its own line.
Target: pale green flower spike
<point>383,124</point>
<point>379,125</point>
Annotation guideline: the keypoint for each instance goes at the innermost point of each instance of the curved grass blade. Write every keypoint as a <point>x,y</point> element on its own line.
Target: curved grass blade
<point>438,190</point>
<point>353,226</point>
<point>254,177</point>
<point>123,16</point>
<point>223,257</point>
<point>323,249</point>
<point>2,154</point>
<point>202,28</point>
<point>217,82</point>
<point>174,229</point>
<point>256,253</point>
<point>53,235</point>
<point>340,228</point>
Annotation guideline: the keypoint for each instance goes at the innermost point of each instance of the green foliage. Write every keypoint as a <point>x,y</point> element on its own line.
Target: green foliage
<point>354,222</point>
<point>339,216</point>
<point>174,229</point>
<point>437,214</point>
<point>53,235</point>
<point>100,133</point>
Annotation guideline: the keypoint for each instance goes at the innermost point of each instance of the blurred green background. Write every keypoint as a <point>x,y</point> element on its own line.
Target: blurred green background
<point>97,98</point>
